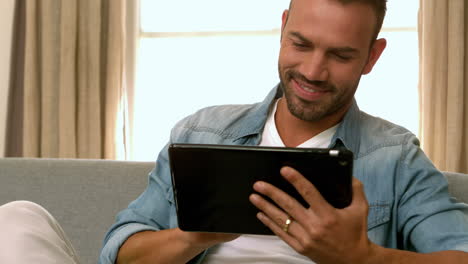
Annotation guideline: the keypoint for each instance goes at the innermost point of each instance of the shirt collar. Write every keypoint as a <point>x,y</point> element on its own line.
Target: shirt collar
<point>256,118</point>
<point>348,132</point>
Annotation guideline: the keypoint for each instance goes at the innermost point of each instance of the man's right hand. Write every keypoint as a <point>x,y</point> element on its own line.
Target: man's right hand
<point>168,246</point>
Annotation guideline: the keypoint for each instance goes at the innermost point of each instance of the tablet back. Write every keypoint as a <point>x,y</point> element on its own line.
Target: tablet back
<point>212,183</point>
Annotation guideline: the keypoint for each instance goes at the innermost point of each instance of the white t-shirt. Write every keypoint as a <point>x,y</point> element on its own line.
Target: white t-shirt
<point>262,248</point>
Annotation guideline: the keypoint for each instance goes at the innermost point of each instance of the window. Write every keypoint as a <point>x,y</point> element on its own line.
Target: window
<point>390,91</point>
<point>186,62</point>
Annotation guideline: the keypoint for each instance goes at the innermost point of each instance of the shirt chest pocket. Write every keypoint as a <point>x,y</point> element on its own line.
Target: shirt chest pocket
<point>379,214</point>
<point>378,222</point>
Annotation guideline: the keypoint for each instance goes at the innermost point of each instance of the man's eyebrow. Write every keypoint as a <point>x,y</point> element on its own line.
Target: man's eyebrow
<point>344,50</point>
<point>300,37</point>
<point>303,39</point>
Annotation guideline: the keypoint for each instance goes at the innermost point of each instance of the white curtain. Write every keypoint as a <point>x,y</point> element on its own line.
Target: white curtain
<point>443,82</point>
<point>69,90</point>
<point>132,44</point>
<point>6,25</point>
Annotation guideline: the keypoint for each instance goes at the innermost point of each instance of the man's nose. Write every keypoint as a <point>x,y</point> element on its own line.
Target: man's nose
<point>314,67</point>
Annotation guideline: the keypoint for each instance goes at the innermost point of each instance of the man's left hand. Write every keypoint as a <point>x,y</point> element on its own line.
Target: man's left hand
<point>321,232</point>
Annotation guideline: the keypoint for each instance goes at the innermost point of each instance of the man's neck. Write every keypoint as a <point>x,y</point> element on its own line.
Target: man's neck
<point>294,131</point>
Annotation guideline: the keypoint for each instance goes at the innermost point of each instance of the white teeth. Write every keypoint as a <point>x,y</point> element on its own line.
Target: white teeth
<point>308,89</point>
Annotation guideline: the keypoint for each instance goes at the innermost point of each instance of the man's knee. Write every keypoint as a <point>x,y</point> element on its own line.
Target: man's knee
<point>30,234</point>
<point>20,207</point>
<point>21,210</point>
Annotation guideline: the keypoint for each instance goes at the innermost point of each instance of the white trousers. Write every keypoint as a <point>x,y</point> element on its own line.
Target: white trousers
<point>30,234</point>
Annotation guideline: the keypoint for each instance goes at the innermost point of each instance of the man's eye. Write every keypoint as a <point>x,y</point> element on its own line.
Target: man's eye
<point>300,45</point>
<point>342,57</point>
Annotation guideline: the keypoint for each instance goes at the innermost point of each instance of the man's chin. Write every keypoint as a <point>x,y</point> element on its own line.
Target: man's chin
<point>309,113</point>
<point>309,117</point>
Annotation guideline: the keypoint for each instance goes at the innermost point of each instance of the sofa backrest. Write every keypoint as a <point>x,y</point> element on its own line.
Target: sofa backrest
<point>83,195</point>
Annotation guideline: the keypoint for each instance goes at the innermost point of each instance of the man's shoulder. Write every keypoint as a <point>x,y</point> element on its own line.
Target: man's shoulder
<point>377,133</point>
<point>387,150</point>
<point>221,120</point>
<point>218,116</point>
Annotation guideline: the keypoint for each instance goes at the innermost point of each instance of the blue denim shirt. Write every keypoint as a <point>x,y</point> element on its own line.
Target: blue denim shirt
<point>409,204</point>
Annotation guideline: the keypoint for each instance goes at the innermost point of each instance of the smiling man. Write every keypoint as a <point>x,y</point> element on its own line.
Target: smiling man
<point>401,210</point>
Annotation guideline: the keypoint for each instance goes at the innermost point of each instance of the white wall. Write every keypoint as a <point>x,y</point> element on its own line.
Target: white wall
<point>6,26</point>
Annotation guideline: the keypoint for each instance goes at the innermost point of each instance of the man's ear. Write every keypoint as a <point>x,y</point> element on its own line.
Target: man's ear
<point>377,48</point>
<point>284,20</point>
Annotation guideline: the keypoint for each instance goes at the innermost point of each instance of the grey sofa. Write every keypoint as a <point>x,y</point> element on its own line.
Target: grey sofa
<point>85,195</point>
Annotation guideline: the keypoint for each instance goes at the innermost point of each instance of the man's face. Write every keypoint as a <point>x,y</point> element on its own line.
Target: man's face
<point>325,48</point>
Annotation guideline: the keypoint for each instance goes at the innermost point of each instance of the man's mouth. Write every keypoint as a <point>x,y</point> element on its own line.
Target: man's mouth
<point>307,91</point>
<point>307,88</point>
<point>310,87</point>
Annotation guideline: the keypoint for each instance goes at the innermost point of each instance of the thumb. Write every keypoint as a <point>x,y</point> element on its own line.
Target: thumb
<point>359,196</point>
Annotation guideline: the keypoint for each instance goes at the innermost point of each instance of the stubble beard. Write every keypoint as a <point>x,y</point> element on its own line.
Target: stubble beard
<point>336,99</point>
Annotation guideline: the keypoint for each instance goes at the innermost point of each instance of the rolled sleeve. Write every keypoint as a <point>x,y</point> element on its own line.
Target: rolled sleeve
<point>463,247</point>
<point>118,237</point>
<point>430,219</point>
<point>446,230</point>
<point>153,210</point>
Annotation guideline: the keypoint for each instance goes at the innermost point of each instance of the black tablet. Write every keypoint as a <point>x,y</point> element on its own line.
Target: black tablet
<point>212,183</point>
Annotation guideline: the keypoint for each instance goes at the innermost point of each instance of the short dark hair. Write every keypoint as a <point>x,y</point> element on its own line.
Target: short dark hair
<point>379,6</point>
